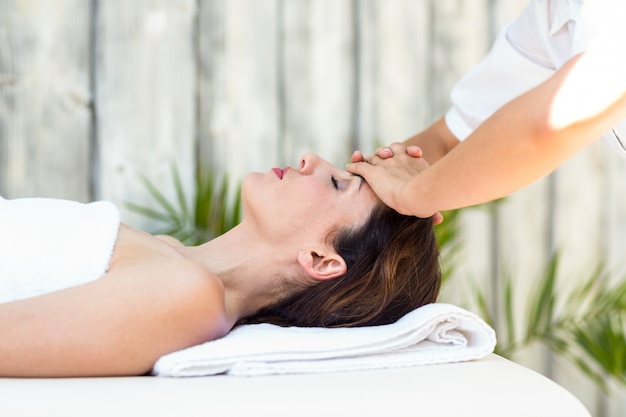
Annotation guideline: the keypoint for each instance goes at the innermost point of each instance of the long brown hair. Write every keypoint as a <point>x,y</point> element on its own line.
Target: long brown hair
<point>393,268</point>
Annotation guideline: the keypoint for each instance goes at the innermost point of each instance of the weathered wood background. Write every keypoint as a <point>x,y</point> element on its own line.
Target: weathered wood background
<point>95,93</point>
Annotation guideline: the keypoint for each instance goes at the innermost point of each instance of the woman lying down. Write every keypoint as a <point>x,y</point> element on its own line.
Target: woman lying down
<point>315,248</point>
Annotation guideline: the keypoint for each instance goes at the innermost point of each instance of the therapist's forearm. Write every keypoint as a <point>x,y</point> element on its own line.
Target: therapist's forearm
<point>435,141</point>
<point>513,148</point>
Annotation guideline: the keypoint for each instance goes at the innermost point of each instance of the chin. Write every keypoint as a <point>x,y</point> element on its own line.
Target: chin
<point>252,192</point>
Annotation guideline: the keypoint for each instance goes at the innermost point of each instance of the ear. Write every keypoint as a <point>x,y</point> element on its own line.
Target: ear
<point>322,266</point>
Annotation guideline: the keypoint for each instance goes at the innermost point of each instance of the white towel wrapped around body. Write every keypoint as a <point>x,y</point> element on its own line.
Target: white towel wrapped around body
<point>48,244</point>
<point>432,334</point>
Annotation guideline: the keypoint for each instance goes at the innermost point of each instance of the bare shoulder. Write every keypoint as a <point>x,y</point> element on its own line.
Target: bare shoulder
<point>152,301</point>
<point>195,294</point>
<point>155,264</point>
<point>142,309</point>
<point>176,304</point>
<point>170,240</point>
<point>199,285</point>
<point>170,286</point>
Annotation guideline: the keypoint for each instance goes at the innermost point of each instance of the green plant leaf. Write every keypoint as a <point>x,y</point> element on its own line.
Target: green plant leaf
<point>160,198</point>
<point>589,330</point>
<point>180,192</point>
<point>449,240</point>
<point>541,304</point>
<point>211,213</point>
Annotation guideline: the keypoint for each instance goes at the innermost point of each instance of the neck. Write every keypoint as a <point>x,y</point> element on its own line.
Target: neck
<point>246,265</point>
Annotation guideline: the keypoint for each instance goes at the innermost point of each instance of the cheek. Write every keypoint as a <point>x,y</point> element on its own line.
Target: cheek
<point>306,207</point>
<point>304,212</point>
<point>309,208</point>
<point>361,212</point>
<point>318,202</point>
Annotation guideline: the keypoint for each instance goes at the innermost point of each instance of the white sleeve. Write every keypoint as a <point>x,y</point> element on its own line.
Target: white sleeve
<point>500,77</point>
<point>599,78</point>
<point>529,50</point>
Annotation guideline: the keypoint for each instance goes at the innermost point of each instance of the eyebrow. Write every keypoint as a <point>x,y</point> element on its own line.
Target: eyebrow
<point>361,178</point>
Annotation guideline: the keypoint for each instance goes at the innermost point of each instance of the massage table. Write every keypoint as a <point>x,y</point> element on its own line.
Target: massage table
<point>489,387</point>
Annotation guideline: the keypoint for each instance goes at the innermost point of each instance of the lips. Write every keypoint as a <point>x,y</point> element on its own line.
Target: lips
<point>278,172</point>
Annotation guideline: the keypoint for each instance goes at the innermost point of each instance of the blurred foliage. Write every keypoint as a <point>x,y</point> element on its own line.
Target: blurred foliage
<point>585,325</point>
<point>449,240</point>
<point>208,213</point>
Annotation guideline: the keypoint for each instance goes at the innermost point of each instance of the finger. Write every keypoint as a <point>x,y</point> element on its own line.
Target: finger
<point>384,152</point>
<point>359,168</point>
<point>357,156</point>
<point>414,151</point>
<point>437,218</point>
<point>397,148</point>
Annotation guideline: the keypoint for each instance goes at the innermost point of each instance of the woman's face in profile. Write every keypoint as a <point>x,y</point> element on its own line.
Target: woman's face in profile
<point>307,201</point>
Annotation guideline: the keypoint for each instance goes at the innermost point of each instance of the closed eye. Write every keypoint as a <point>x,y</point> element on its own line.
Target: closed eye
<point>361,180</point>
<point>333,180</point>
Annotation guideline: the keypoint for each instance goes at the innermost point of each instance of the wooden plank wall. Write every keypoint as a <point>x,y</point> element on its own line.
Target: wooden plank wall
<point>95,93</point>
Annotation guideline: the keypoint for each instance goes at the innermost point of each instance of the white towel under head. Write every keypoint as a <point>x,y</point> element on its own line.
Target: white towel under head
<point>432,334</point>
<point>49,244</point>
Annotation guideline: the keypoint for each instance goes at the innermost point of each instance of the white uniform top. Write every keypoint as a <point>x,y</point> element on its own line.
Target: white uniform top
<point>530,49</point>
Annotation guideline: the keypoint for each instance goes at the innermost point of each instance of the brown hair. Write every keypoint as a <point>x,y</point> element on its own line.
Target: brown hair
<point>393,268</point>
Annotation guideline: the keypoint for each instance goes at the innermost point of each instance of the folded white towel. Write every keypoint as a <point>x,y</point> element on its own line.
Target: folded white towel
<point>48,244</point>
<point>432,334</point>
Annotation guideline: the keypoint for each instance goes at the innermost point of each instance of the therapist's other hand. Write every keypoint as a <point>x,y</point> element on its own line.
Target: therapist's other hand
<point>389,170</point>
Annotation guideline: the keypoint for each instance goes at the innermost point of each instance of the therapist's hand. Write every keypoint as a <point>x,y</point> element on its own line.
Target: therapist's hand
<point>385,152</point>
<point>389,171</point>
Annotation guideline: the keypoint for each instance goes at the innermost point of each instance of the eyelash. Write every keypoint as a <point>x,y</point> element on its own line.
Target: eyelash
<point>333,180</point>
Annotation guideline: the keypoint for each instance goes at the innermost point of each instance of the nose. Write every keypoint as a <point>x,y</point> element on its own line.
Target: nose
<point>308,161</point>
